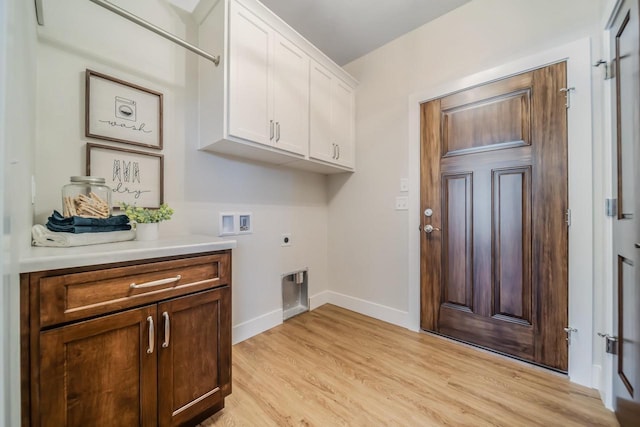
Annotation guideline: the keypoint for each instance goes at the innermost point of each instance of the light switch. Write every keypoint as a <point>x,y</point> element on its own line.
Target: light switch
<point>404,185</point>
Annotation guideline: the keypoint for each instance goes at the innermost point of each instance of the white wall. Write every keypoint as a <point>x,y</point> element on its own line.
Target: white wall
<point>80,35</point>
<point>17,131</point>
<point>364,229</point>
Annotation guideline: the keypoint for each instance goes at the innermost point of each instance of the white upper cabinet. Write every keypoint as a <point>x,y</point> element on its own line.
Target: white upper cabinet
<point>290,97</point>
<point>250,87</point>
<point>332,115</point>
<point>275,97</point>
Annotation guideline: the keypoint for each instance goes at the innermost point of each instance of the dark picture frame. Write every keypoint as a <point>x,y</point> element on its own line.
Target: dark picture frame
<point>119,111</point>
<point>135,177</point>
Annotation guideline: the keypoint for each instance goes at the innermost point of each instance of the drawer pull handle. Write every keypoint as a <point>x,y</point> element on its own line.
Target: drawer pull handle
<point>152,335</point>
<point>167,330</point>
<point>160,282</point>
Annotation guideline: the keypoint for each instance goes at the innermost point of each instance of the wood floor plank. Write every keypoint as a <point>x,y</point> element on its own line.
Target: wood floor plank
<point>334,367</point>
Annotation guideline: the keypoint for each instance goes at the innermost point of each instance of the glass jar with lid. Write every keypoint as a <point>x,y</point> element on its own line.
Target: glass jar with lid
<point>86,196</point>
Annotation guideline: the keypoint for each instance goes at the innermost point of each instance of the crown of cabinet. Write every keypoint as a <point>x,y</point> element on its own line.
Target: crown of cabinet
<point>275,97</point>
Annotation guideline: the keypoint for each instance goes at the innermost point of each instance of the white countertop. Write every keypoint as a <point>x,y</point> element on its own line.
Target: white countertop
<point>44,258</point>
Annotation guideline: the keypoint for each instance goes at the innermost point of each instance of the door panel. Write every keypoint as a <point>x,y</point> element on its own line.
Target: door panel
<point>249,76</point>
<point>494,171</point>
<point>122,390</point>
<point>190,356</point>
<point>626,233</point>
<point>291,97</point>
<point>457,244</point>
<point>512,244</point>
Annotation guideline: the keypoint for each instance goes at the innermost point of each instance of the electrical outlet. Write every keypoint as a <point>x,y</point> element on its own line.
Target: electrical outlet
<point>402,203</point>
<point>285,239</point>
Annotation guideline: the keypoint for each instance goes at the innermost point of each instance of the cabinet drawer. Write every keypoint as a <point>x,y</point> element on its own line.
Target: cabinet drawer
<point>75,296</point>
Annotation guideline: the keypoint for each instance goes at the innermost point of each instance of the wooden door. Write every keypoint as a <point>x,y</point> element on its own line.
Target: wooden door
<point>194,362</point>
<point>626,233</point>
<point>494,175</point>
<point>100,372</point>
<point>290,97</point>
<point>250,106</point>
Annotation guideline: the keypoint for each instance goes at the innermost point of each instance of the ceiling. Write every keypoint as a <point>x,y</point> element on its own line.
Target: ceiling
<point>347,29</point>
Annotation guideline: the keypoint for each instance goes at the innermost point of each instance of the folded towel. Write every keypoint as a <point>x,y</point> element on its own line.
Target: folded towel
<point>43,237</point>
<point>86,228</point>
<point>57,219</point>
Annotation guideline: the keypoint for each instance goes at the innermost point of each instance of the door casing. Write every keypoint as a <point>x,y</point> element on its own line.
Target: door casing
<point>577,55</point>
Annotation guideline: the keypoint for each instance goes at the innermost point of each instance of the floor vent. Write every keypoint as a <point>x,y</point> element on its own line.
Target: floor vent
<point>295,293</point>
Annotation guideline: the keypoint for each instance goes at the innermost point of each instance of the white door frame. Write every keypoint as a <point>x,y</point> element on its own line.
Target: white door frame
<point>578,57</point>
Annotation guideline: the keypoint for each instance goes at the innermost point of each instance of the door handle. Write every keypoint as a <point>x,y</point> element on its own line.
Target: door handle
<point>152,335</point>
<point>277,131</point>
<point>270,130</point>
<point>167,330</point>
<point>430,229</point>
<point>334,151</point>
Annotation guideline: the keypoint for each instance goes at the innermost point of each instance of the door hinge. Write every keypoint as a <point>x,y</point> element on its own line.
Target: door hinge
<point>611,207</point>
<point>567,217</point>
<point>610,342</point>
<point>567,95</point>
<point>569,330</point>
<point>609,68</point>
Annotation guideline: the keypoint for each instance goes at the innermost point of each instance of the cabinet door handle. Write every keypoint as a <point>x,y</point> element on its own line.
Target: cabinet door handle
<point>152,335</point>
<point>333,156</point>
<point>277,131</point>
<point>167,330</point>
<point>160,282</point>
<point>270,130</point>
<point>338,147</point>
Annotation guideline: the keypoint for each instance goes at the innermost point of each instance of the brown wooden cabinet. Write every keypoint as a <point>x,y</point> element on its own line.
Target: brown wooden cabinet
<point>144,343</point>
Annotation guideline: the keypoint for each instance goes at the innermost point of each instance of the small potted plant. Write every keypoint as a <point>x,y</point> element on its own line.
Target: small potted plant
<point>147,220</point>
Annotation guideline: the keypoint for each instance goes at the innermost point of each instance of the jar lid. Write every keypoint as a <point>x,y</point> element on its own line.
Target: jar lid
<point>87,179</point>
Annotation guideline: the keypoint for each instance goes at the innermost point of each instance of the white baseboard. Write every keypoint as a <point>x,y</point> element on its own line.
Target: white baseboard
<point>318,300</point>
<point>368,308</point>
<point>596,375</point>
<point>257,325</point>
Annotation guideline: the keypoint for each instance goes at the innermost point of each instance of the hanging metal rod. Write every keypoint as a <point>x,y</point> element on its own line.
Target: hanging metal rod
<point>137,20</point>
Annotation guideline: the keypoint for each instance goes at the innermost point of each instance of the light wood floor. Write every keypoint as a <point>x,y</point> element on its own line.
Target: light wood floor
<point>333,367</point>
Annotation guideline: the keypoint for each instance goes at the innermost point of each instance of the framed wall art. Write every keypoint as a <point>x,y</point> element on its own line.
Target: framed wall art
<point>123,112</point>
<point>135,177</point>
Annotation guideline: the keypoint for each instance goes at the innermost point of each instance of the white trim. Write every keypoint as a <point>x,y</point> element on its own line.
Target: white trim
<point>257,325</point>
<point>577,55</point>
<point>318,300</point>
<point>367,308</point>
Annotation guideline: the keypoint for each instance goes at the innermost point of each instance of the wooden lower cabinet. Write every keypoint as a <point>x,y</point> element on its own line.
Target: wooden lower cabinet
<point>162,364</point>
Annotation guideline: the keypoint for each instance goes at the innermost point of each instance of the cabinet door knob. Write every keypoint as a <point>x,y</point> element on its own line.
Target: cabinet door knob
<point>152,335</point>
<point>167,330</point>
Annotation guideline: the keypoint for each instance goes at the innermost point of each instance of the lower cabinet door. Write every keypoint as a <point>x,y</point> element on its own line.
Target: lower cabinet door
<point>100,372</point>
<point>194,359</point>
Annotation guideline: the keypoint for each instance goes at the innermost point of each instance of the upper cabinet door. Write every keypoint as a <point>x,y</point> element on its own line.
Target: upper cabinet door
<point>290,97</point>
<point>321,146</point>
<point>342,122</point>
<point>249,76</point>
